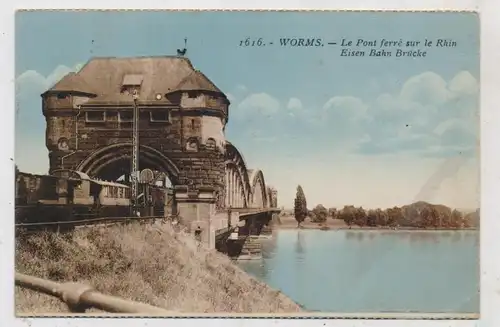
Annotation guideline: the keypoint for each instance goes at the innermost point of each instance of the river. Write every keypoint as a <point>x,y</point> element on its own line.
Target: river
<point>373,271</point>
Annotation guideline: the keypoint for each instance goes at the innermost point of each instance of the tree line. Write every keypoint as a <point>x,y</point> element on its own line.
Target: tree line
<point>417,215</point>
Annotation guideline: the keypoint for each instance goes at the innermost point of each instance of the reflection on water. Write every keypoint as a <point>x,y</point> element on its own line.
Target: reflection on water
<point>373,271</point>
<point>300,248</point>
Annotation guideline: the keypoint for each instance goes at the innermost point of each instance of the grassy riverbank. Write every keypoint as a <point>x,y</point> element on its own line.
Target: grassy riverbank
<point>147,263</point>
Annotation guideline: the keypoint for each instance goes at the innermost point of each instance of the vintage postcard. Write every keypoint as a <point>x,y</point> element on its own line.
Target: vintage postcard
<point>283,163</point>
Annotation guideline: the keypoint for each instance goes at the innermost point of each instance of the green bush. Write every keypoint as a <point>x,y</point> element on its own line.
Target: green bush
<point>319,214</point>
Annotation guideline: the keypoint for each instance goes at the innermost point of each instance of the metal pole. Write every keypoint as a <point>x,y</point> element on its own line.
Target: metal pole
<point>135,156</point>
<point>77,295</point>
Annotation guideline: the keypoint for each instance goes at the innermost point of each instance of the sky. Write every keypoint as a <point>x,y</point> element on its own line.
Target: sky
<point>367,131</point>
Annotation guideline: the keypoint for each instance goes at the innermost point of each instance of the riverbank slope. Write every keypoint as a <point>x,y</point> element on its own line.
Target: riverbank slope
<point>150,263</point>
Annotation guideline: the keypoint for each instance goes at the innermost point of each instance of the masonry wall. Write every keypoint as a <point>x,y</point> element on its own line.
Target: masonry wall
<point>201,165</point>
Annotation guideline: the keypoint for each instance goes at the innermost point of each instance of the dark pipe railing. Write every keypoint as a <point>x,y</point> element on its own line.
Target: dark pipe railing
<point>80,297</point>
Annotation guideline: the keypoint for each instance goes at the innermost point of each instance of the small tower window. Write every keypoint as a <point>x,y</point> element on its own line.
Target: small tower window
<point>192,95</point>
<point>125,116</point>
<point>192,124</point>
<point>131,84</point>
<point>95,116</point>
<point>211,144</point>
<point>159,116</point>
<point>62,144</point>
<point>192,144</point>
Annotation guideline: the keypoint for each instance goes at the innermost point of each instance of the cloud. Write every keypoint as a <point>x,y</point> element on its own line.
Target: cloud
<point>346,115</point>
<point>238,93</point>
<point>426,88</point>
<point>33,79</point>
<point>29,120</point>
<point>230,97</point>
<point>347,108</point>
<point>294,106</point>
<point>455,132</point>
<point>31,84</point>
<point>259,136</point>
<point>261,104</point>
<point>464,84</point>
<point>241,88</point>
<point>428,116</point>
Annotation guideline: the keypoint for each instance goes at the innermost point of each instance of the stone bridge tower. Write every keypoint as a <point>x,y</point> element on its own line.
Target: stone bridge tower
<point>181,130</point>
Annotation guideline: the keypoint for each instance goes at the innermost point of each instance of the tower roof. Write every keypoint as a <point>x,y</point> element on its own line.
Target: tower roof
<point>72,82</point>
<point>103,77</point>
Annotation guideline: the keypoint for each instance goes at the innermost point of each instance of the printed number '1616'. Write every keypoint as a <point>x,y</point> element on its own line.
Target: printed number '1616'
<point>251,43</point>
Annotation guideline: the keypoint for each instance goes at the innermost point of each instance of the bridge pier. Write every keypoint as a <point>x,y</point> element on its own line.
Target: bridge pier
<point>198,212</point>
<point>259,223</point>
<point>248,245</point>
<point>196,209</point>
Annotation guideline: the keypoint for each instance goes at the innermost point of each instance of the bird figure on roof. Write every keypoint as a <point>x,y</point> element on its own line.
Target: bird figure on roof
<point>182,52</point>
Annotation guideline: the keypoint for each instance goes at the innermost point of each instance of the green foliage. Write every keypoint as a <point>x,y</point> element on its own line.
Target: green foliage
<point>332,212</point>
<point>347,214</point>
<point>472,219</point>
<point>371,218</point>
<point>382,217</point>
<point>300,205</point>
<point>360,217</point>
<point>457,219</point>
<point>416,215</point>
<point>319,214</point>
<point>394,216</point>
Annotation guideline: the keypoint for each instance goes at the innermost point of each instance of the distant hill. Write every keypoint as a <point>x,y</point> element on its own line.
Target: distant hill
<point>422,205</point>
<point>413,213</point>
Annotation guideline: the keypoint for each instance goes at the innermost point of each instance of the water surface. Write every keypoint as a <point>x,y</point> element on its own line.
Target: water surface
<point>373,271</point>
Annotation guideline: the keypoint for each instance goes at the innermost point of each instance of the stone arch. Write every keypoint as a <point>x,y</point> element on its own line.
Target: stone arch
<point>111,154</point>
<point>269,194</point>
<point>259,194</point>
<point>236,178</point>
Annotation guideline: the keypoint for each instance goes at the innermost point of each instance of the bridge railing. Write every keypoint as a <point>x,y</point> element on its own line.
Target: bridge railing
<point>80,297</point>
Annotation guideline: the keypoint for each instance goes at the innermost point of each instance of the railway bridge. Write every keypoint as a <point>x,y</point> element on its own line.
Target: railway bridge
<point>177,118</point>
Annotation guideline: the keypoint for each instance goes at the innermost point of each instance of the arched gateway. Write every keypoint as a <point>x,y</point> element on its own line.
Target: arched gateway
<point>112,161</point>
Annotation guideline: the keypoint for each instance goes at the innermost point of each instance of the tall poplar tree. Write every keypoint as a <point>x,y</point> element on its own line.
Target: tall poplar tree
<point>300,206</point>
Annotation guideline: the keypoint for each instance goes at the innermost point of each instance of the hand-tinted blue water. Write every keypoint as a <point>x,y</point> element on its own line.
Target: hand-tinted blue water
<point>373,271</point>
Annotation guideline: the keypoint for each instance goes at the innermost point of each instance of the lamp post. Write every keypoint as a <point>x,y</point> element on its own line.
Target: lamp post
<point>135,155</point>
